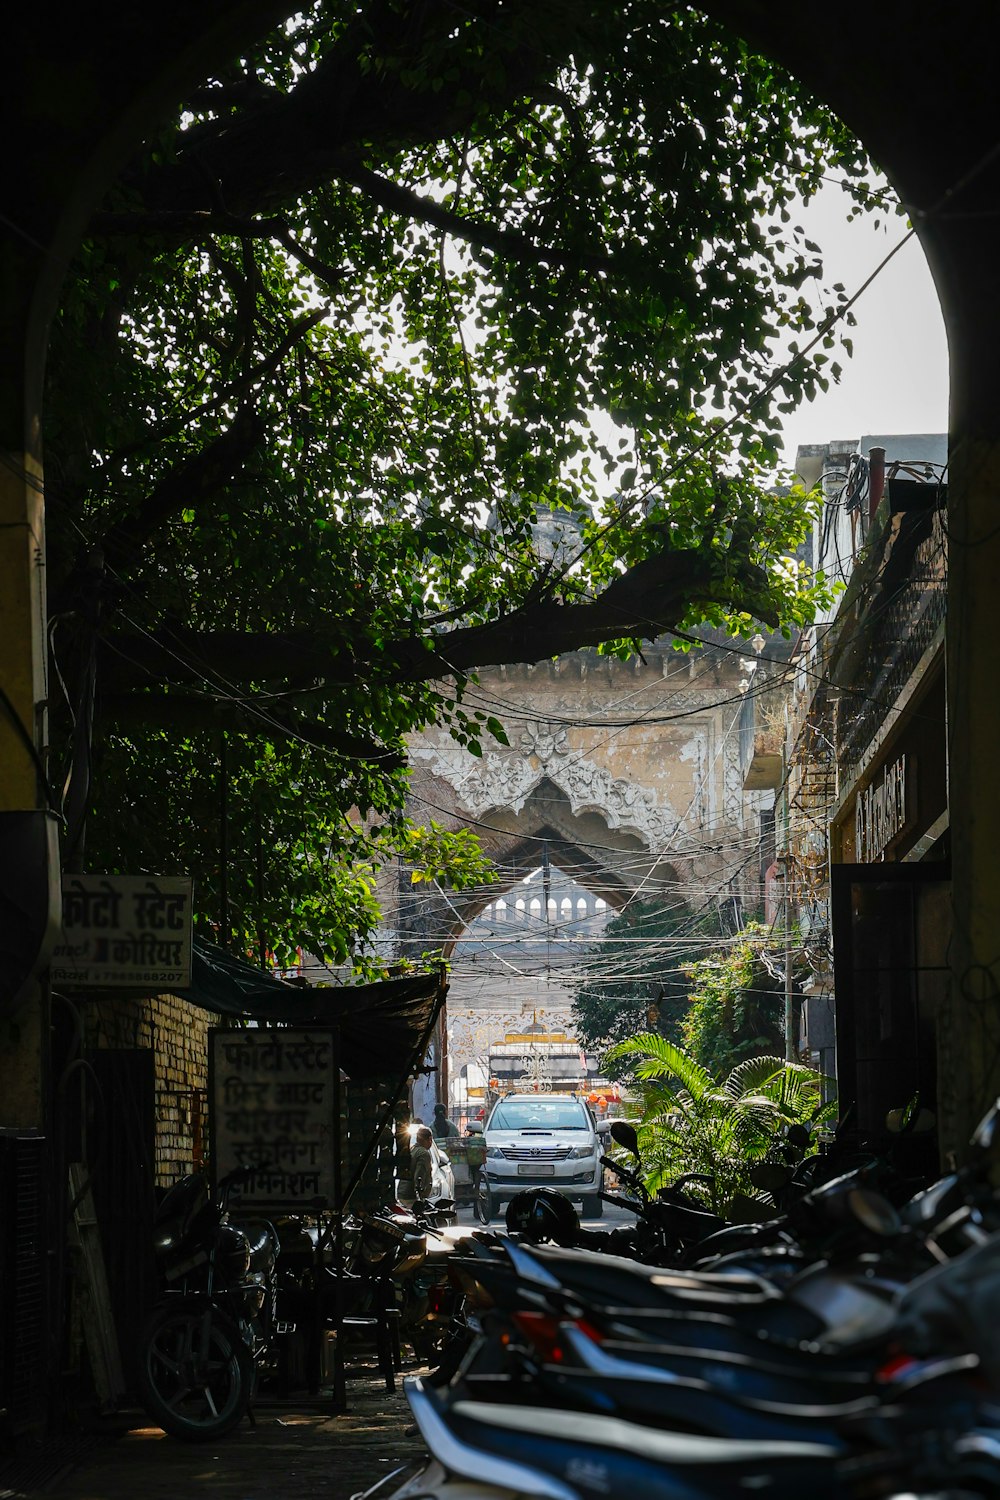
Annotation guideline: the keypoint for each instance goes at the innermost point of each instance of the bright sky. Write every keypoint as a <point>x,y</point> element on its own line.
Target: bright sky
<point>897,380</point>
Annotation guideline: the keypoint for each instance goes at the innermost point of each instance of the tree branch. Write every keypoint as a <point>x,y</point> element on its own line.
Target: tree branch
<point>197,224</point>
<point>187,713</point>
<point>648,601</point>
<point>286,144</point>
<point>231,394</point>
<point>187,224</point>
<point>201,474</point>
<point>504,242</point>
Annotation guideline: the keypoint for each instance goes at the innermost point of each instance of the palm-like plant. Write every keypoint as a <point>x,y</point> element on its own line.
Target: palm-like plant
<point>694,1122</point>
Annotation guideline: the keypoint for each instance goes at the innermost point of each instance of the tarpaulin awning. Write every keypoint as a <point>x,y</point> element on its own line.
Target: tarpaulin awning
<point>381,1025</point>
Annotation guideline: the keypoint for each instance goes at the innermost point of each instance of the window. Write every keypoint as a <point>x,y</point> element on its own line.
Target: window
<point>539,1114</point>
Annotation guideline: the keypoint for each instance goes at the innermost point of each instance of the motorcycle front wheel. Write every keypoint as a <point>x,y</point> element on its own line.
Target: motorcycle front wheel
<point>195,1372</point>
<point>484,1204</point>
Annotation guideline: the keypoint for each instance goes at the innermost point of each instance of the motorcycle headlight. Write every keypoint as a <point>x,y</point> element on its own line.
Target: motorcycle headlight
<point>581,1153</point>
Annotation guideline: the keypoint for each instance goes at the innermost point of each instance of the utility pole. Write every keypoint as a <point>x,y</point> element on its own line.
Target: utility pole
<point>789,1008</point>
<point>786,863</point>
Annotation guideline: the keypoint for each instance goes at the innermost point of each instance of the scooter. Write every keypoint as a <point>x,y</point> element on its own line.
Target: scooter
<point>922,1422</point>
<point>489,1451</point>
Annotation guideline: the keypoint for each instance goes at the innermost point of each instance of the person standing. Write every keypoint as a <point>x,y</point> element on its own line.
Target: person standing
<point>442,1126</point>
<point>421,1163</point>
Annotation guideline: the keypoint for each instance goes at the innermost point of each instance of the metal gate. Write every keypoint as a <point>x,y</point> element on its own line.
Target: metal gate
<point>889,971</point>
<point>122,1169</point>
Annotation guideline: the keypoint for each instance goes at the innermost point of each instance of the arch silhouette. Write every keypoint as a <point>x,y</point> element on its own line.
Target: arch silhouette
<point>611,872</point>
<point>943,161</point>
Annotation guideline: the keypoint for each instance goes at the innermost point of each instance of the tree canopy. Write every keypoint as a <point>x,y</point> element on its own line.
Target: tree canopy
<point>389,287</point>
<point>736,1008</point>
<point>636,978</point>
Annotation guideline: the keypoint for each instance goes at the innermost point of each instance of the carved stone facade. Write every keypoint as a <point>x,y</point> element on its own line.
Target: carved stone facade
<point>624,775</point>
<point>645,750</point>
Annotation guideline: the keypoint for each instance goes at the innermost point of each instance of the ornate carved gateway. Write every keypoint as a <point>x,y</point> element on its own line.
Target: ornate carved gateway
<point>620,779</point>
<point>631,768</point>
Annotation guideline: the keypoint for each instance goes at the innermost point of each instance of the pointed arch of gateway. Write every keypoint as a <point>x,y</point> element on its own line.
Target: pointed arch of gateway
<point>610,864</point>
<point>618,779</point>
<point>517,946</point>
<point>620,804</point>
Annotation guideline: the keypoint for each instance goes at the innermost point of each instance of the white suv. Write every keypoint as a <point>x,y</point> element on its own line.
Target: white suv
<point>542,1140</point>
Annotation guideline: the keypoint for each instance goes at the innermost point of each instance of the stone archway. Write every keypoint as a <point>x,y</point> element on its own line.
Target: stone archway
<point>623,779</point>
<point>932,129</point>
<point>629,771</point>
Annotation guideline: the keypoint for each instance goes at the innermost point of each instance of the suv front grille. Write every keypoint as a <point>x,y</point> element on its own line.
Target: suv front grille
<point>536,1153</point>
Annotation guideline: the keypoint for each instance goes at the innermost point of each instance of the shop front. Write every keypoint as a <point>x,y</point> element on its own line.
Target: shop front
<point>891,913</point>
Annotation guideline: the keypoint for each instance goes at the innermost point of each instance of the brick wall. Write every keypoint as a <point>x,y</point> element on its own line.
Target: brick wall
<point>177,1033</point>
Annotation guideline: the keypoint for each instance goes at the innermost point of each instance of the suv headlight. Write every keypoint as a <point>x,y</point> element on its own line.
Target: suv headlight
<point>580,1153</point>
<point>493,1152</point>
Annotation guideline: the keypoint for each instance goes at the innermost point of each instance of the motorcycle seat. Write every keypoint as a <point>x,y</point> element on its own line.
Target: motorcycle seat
<point>675,1448</point>
<point>793,1394</point>
<point>610,1278</point>
<point>730,1366</point>
<point>563,1454</point>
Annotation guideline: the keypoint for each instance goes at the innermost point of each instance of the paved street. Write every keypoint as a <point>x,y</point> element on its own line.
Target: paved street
<point>297,1451</point>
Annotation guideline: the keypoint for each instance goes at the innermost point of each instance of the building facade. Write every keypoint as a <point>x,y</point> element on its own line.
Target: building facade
<point>862,787</point>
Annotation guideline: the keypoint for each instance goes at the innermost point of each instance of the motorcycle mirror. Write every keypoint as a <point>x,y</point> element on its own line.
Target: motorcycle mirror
<point>770,1176</point>
<point>873,1212</point>
<point>987,1132</point>
<point>798,1136</point>
<point>902,1121</point>
<point>744,1210</point>
<point>912,1122</point>
<point>625,1135</point>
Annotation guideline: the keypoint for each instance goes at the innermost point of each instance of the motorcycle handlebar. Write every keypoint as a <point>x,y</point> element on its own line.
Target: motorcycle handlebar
<point>617,1168</point>
<point>631,1204</point>
<point>238,1177</point>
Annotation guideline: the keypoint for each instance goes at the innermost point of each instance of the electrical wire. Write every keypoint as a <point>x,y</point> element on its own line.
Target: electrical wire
<point>264,719</point>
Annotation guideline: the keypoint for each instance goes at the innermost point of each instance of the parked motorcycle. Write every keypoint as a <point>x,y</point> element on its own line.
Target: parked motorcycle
<point>214,1320</point>
<point>577,1419</point>
<point>861,1375</point>
<point>426,1295</point>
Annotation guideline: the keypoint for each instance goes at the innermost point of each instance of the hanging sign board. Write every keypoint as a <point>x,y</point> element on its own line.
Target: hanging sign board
<point>124,931</point>
<point>273,1096</point>
<point>880,813</point>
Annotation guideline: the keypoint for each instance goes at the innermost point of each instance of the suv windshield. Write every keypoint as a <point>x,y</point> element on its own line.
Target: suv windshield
<point>539,1114</point>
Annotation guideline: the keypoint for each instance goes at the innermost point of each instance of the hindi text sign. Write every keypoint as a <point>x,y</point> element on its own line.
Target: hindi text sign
<point>129,931</point>
<point>272,1097</point>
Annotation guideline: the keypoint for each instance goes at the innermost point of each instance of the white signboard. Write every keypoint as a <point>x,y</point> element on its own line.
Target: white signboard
<point>880,813</point>
<point>125,931</point>
<point>272,1097</point>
